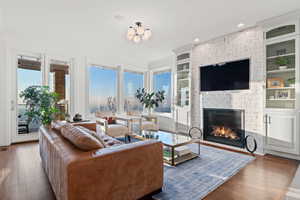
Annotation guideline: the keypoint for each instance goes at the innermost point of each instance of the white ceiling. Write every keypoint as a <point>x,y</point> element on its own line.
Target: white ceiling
<point>89,27</point>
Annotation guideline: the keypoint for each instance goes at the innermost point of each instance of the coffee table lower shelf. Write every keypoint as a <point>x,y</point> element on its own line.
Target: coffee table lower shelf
<point>180,159</point>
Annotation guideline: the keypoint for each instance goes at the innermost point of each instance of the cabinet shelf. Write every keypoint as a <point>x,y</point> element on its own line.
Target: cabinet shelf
<point>281,71</point>
<point>281,99</point>
<point>283,55</point>
<point>283,88</point>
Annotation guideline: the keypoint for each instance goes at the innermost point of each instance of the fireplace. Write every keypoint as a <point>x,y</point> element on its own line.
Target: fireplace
<point>225,126</point>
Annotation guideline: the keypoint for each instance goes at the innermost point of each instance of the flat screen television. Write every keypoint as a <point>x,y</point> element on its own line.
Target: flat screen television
<point>225,76</point>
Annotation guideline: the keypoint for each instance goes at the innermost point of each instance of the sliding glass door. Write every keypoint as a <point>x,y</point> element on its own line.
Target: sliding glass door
<point>27,69</point>
<point>29,73</point>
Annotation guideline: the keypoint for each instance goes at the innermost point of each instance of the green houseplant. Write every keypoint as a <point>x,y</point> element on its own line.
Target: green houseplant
<point>282,61</point>
<point>150,100</point>
<point>40,104</point>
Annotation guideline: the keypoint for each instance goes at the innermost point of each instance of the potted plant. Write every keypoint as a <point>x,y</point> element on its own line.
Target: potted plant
<point>291,82</point>
<point>282,62</point>
<point>40,104</point>
<point>150,100</point>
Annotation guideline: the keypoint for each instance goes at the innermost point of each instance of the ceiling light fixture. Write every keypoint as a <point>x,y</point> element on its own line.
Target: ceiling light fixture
<point>137,33</point>
<point>240,25</point>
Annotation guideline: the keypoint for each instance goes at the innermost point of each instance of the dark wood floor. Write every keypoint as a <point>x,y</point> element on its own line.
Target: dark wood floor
<point>22,177</point>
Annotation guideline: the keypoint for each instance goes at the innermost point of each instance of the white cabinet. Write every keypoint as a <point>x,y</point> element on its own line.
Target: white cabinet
<point>282,132</point>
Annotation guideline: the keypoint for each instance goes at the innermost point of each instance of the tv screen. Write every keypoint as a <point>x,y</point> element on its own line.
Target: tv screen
<point>226,76</point>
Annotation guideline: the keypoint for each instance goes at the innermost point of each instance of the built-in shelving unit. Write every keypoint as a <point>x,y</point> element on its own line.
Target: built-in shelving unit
<point>182,87</point>
<point>281,110</point>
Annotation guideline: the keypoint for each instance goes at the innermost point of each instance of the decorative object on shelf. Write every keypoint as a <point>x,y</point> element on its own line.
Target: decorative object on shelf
<point>282,62</point>
<point>283,94</point>
<point>281,52</point>
<point>77,117</point>
<point>40,104</point>
<point>137,33</point>
<point>150,99</point>
<point>291,82</point>
<point>275,82</point>
<point>250,144</point>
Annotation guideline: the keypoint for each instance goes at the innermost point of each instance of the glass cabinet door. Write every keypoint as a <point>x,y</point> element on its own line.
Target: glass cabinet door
<point>281,74</point>
<point>183,84</point>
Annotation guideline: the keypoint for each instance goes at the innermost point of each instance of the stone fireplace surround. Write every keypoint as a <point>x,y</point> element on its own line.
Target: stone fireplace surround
<point>245,44</point>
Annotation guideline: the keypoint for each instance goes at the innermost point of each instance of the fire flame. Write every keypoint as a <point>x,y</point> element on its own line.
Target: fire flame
<point>222,131</point>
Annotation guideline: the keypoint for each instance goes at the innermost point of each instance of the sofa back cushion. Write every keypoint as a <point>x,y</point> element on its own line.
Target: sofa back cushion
<point>80,138</point>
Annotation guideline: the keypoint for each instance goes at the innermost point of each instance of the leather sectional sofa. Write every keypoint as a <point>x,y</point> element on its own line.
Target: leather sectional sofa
<point>123,171</point>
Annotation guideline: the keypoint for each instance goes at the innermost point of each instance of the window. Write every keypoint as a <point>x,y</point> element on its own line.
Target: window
<point>59,82</point>
<point>102,89</point>
<point>132,82</point>
<point>162,81</point>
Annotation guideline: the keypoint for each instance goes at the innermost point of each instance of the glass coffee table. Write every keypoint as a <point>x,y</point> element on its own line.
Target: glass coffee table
<point>176,148</point>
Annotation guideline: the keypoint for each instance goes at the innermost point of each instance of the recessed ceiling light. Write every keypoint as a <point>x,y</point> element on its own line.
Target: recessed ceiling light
<point>196,40</point>
<point>240,25</point>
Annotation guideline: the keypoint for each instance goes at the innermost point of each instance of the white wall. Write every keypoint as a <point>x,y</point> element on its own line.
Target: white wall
<point>4,99</point>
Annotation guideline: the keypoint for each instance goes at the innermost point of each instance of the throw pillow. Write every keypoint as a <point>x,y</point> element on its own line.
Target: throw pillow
<point>93,133</point>
<point>80,138</point>
<point>57,125</point>
<point>110,120</point>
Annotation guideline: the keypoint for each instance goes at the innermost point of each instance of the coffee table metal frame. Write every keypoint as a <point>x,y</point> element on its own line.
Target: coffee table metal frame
<point>174,161</point>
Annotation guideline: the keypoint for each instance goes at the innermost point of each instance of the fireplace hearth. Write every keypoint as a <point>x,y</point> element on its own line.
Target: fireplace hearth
<point>225,126</point>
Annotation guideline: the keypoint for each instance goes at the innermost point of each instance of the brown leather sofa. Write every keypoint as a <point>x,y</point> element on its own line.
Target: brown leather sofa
<point>123,172</point>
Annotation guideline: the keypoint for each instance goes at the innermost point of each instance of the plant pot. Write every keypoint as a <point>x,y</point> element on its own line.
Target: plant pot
<point>47,126</point>
<point>149,111</point>
<point>282,67</point>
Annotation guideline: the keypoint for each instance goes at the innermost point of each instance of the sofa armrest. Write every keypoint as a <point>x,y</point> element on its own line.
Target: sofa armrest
<point>125,172</point>
<point>89,125</point>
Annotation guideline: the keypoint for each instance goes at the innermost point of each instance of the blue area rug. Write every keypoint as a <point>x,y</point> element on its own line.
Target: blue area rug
<point>196,178</point>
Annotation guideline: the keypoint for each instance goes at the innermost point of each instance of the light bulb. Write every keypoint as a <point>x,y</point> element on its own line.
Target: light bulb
<point>140,30</point>
<point>129,36</point>
<point>137,39</point>
<point>147,34</point>
<point>131,31</point>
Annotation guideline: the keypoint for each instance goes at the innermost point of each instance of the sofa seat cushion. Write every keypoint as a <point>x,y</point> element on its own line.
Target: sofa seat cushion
<point>80,138</point>
<point>106,140</point>
<point>116,130</point>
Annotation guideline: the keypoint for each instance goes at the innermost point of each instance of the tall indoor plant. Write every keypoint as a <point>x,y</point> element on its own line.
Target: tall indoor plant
<point>40,104</point>
<point>150,100</point>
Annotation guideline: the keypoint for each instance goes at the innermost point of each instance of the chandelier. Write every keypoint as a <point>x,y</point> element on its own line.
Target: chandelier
<point>137,33</point>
